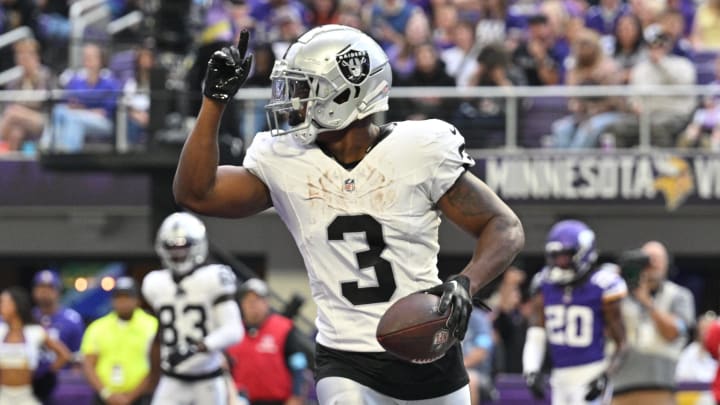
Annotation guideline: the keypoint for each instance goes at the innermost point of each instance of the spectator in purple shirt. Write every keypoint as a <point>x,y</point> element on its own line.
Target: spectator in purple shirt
<point>92,95</point>
<point>604,16</point>
<point>63,324</point>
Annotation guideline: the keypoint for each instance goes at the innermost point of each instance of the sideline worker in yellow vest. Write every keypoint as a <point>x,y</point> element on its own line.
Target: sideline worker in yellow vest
<point>117,349</point>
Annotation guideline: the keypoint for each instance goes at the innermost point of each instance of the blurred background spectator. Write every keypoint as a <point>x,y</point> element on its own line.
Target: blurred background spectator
<point>60,323</point>
<point>477,350</point>
<point>669,115</point>
<point>706,30</point>
<point>136,94</point>
<point>590,115</point>
<point>116,349</point>
<point>482,119</point>
<point>90,108</point>
<point>429,71</point>
<point>695,363</point>
<point>704,129</point>
<point>604,16</point>
<point>461,57</point>
<point>659,316</point>
<point>20,343</point>
<point>628,45</point>
<point>537,56</point>
<point>322,12</point>
<point>24,121</point>
<point>510,321</point>
<point>387,19</point>
<point>673,25</point>
<point>401,52</point>
<point>271,347</point>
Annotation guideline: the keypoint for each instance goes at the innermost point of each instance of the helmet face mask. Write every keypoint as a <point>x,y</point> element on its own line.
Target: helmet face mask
<point>182,243</point>
<point>570,251</point>
<point>332,76</point>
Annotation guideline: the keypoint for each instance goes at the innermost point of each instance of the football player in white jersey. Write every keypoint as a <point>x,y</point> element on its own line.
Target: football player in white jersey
<point>363,203</point>
<point>197,313</point>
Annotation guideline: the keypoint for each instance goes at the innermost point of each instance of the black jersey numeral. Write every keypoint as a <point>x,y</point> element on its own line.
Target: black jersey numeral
<point>169,329</point>
<point>367,258</point>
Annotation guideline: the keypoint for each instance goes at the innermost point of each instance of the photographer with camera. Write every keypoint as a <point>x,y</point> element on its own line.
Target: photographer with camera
<point>658,317</point>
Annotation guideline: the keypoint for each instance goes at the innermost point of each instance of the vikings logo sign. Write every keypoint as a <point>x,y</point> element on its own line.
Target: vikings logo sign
<point>354,65</point>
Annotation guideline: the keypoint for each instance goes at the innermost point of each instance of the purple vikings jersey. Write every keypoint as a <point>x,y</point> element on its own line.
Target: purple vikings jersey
<point>574,316</point>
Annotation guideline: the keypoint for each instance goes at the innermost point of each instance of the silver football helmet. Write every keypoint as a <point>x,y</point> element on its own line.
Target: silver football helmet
<point>181,243</point>
<point>332,76</point>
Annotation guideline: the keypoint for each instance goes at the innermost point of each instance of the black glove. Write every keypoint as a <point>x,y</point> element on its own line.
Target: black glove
<point>596,387</point>
<point>227,70</point>
<point>536,385</point>
<point>178,355</point>
<point>455,291</point>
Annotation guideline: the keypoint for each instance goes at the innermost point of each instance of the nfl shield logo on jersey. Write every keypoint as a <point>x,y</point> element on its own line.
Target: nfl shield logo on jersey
<point>349,185</point>
<point>354,65</point>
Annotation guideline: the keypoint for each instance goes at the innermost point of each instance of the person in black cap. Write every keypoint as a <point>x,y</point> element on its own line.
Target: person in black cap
<point>62,323</point>
<point>116,349</point>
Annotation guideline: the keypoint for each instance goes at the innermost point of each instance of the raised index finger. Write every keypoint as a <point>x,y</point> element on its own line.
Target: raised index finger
<point>243,43</point>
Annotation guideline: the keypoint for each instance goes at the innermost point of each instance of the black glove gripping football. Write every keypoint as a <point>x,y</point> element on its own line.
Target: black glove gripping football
<point>596,387</point>
<point>456,292</point>
<point>178,355</point>
<point>227,70</point>
<point>536,385</point>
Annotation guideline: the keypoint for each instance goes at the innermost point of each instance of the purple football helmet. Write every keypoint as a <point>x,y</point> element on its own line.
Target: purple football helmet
<point>570,251</point>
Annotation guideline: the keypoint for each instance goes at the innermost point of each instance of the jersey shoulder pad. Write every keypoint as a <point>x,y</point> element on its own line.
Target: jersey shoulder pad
<point>265,147</point>
<point>258,147</point>
<point>608,279</point>
<point>218,280</point>
<point>437,135</point>
<point>153,283</point>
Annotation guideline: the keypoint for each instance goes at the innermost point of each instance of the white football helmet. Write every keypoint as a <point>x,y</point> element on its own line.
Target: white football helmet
<point>181,243</point>
<point>332,76</point>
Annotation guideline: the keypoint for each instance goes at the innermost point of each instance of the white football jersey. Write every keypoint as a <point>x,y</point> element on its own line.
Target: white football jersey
<point>368,235</point>
<point>185,310</point>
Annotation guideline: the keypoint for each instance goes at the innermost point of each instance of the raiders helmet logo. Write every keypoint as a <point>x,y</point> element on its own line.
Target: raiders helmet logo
<point>354,65</point>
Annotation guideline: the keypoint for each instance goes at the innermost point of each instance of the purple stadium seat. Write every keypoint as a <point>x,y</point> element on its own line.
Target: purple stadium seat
<point>538,114</point>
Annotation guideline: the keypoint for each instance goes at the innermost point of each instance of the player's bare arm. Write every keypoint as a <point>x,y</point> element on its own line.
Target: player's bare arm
<point>615,328</point>
<point>199,184</point>
<point>204,187</point>
<point>475,208</point>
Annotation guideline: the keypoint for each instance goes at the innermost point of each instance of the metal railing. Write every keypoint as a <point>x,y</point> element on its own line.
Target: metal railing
<point>84,13</point>
<point>249,99</point>
<point>511,95</point>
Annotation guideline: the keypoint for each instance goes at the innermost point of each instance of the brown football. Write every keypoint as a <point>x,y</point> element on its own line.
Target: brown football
<point>413,330</point>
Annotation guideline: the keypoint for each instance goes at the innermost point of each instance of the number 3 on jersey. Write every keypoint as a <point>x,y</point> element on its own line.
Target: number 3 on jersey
<point>368,258</point>
<point>569,326</point>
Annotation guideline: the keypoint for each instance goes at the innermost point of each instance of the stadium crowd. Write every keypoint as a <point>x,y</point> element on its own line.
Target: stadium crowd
<point>430,43</point>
